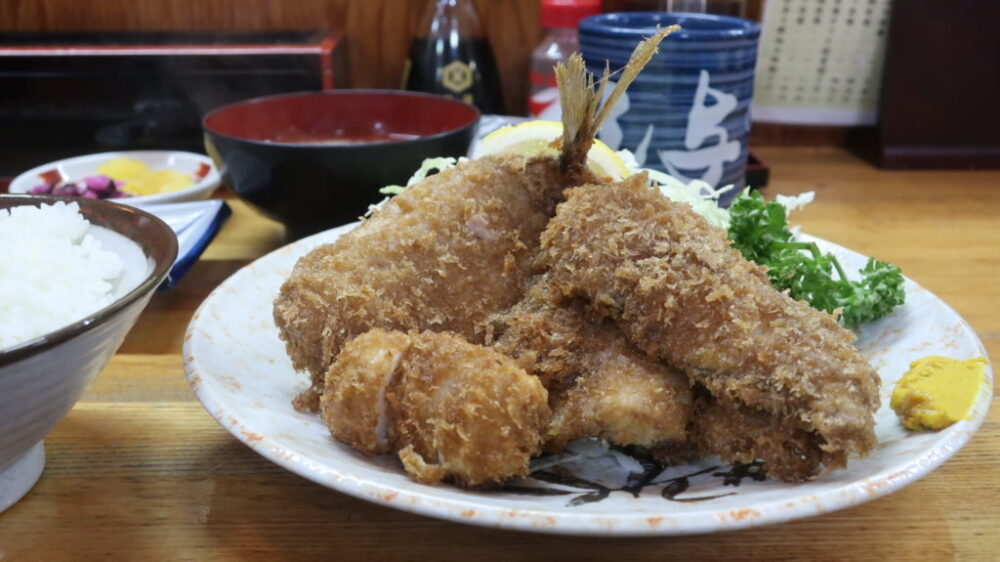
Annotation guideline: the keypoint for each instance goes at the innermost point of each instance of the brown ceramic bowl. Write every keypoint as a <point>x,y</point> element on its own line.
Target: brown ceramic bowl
<point>42,378</point>
<point>316,160</point>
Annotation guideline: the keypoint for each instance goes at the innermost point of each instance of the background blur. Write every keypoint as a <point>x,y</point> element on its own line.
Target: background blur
<point>377,36</point>
<point>946,68</point>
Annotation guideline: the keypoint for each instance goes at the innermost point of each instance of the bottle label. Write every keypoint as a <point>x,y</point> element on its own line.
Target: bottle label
<point>456,76</point>
<point>465,71</point>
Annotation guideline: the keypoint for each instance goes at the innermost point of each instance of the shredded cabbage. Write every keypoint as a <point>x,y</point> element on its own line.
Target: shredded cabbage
<point>794,202</point>
<point>429,164</point>
<point>702,197</point>
<point>596,451</point>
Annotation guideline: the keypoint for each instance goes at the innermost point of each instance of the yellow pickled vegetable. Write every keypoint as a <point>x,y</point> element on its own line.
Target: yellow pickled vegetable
<point>141,180</point>
<point>937,391</point>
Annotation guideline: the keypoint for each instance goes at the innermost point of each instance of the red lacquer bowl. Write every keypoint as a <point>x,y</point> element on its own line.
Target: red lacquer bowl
<point>316,160</point>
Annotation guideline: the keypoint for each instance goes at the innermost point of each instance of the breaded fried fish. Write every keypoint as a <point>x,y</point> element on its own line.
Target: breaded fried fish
<point>736,433</point>
<point>679,292</point>
<point>450,409</point>
<point>599,385</point>
<point>443,255</point>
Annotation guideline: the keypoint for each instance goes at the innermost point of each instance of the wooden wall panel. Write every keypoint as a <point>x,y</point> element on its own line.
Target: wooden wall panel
<point>378,34</point>
<point>514,31</point>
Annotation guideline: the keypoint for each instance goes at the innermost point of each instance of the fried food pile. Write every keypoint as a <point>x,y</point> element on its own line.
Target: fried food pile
<point>681,294</point>
<point>444,255</point>
<point>510,305</point>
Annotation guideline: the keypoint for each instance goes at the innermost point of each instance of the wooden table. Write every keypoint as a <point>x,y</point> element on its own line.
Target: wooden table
<point>139,471</point>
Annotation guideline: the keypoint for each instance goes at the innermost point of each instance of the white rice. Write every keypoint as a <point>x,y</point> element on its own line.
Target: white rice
<point>52,273</point>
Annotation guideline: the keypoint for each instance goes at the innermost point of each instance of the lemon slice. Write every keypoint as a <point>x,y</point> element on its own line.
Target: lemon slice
<point>534,138</point>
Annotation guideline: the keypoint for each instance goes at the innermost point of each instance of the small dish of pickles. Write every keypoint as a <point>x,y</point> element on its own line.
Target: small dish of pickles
<point>136,177</point>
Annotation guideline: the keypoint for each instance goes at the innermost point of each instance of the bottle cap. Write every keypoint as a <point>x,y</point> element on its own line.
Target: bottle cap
<point>568,13</point>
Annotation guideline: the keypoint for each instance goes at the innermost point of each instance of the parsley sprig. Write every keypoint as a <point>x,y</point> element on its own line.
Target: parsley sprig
<point>759,230</point>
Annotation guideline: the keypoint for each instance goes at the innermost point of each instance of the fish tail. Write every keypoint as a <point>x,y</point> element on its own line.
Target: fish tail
<point>580,94</point>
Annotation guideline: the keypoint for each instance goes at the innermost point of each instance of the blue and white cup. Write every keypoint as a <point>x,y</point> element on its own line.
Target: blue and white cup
<point>688,113</point>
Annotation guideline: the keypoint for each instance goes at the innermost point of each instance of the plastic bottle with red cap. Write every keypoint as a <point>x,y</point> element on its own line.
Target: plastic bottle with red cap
<point>560,18</point>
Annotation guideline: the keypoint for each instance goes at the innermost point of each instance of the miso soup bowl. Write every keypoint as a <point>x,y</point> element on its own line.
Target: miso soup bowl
<point>42,378</point>
<point>316,160</point>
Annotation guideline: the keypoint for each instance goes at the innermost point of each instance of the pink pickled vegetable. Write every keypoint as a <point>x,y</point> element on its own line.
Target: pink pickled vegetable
<point>91,187</point>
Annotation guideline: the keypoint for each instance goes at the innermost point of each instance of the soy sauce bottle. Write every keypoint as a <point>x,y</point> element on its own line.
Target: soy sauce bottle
<point>451,56</point>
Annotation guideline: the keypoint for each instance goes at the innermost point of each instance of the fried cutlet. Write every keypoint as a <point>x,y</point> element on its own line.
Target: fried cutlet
<point>599,385</point>
<point>443,255</point>
<point>735,433</point>
<point>681,293</point>
<point>452,410</point>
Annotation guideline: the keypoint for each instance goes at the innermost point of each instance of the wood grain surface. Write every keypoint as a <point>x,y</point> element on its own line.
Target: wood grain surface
<point>139,471</point>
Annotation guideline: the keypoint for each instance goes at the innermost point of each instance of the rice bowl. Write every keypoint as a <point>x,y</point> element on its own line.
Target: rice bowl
<point>42,377</point>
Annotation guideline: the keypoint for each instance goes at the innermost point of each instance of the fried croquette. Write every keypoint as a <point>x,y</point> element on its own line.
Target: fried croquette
<point>599,385</point>
<point>354,405</point>
<point>450,409</point>
<point>681,293</point>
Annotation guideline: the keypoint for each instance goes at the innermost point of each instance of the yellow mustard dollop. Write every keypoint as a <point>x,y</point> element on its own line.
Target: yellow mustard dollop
<point>937,391</point>
<point>141,180</point>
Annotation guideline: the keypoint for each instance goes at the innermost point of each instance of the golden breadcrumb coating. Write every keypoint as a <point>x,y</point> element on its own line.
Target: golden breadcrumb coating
<point>599,385</point>
<point>443,255</point>
<point>736,433</point>
<point>451,409</point>
<point>354,404</point>
<point>625,402</point>
<point>680,292</point>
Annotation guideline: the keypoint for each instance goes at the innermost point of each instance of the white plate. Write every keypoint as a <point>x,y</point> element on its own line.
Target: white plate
<point>75,169</point>
<point>238,368</point>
